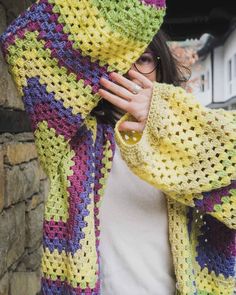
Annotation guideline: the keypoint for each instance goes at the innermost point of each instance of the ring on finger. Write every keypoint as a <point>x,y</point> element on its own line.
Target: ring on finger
<point>136,89</point>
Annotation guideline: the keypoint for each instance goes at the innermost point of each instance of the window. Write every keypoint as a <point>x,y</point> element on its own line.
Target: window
<point>229,70</point>
<point>202,83</point>
<point>233,106</point>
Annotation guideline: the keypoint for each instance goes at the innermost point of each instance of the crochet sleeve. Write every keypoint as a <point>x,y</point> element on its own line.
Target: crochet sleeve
<point>56,99</point>
<point>56,103</point>
<point>187,151</point>
<point>46,78</point>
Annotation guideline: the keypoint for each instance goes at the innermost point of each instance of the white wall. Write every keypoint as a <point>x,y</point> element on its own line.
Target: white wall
<point>203,68</point>
<point>219,74</point>
<point>223,88</point>
<point>230,53</point>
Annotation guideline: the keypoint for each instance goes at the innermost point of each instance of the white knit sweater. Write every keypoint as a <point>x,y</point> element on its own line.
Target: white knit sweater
<point>134,246</point>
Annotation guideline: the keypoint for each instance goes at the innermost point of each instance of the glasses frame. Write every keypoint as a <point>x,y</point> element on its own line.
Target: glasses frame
<point>158,59</point>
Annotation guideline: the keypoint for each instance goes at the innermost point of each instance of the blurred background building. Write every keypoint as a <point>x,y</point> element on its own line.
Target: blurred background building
<point>216,72</point>
<point>209,29</point>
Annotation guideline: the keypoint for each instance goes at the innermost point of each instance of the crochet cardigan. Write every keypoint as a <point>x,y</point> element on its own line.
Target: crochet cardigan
<point>57,50</point>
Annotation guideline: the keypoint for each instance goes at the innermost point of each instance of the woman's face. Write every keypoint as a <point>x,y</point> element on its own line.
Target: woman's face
<point>146,65</point>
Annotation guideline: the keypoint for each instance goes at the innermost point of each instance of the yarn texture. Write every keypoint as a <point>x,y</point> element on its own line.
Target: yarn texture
<point>189,152</point>
<point>57,51</point>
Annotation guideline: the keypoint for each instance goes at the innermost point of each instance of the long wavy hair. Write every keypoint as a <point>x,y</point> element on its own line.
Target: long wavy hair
<point>169,71</point>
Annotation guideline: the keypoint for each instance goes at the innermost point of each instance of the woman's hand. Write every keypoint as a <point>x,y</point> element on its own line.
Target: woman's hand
<point>122,97</point>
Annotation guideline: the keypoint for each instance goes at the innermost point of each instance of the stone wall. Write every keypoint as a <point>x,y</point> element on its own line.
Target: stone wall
<point>23,184</point>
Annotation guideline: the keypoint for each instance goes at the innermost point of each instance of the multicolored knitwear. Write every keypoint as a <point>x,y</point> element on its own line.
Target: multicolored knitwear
<point>57,50</point>
<point>189,152</point>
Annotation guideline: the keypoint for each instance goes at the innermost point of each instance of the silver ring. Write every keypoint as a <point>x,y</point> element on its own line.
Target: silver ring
<point>136,89</point>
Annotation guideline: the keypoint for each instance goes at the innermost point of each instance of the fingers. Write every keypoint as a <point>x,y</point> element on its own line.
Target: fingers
<point>117,89</point>
<point>115,100</point>
<point>128,84</point>
<point>132,126</point>
<point>145,82</point>
<point>118,94</point>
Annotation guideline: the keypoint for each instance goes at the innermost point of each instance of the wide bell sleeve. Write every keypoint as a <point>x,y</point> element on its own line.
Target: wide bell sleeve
<point>186,150</point>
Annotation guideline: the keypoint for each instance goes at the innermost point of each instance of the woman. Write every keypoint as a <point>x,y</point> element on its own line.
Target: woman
<point>134,247</point>
<point>58,51</point>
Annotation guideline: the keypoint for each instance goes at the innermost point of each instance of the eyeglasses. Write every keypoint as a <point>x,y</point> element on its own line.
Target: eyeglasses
<point>147,63</point>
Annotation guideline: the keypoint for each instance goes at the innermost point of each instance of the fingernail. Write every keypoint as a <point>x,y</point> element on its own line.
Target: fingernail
<point>110,76</point>
<point>102,79</point>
